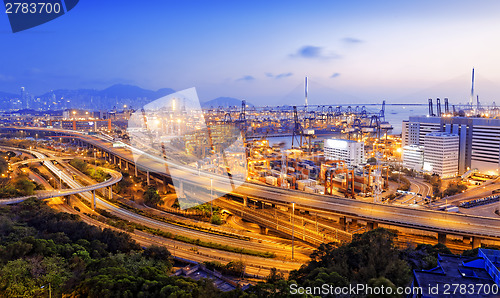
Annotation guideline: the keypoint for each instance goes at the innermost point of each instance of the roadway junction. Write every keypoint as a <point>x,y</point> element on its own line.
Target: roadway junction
<point>255,266</point>
<point>473,229</point>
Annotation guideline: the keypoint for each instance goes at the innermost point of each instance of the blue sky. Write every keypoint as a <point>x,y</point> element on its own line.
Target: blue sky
<point>361,51</point>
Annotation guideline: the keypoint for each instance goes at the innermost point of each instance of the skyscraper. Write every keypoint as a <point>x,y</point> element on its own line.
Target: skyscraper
<point>24,99</point>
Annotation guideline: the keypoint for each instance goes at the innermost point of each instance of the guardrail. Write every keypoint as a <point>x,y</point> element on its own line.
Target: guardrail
<point>430,220</point>
<point>115,178</point>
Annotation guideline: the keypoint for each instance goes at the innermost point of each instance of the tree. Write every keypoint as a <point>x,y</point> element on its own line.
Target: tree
<point>369,255</point>
<point>24,186</point>
<point>151,196</point>
<point>454,188</point>
<point>382,282</point>
<point>216,219</point>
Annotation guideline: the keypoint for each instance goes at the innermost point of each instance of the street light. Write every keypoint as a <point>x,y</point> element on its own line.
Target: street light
<point>293,224</point>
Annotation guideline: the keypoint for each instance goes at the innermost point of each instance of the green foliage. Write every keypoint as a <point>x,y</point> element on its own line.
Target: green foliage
<point>371,258</point>
<point>151,196</point>
<point>79,164</point>
<point>369,255</point>
<point>39,246</point>
<point>385,283</point>
<point>454,188</point>
<point>435,181</point>
<point>3,164</point>
<point>216,219</point>
<point>94,173</point>
<point>234,268</point>
<point>17,187</point>
<point>404,182</point>
<point>122,186</point>
<point>24,186</point>
<point>274,276</point>
<point>205,208</point>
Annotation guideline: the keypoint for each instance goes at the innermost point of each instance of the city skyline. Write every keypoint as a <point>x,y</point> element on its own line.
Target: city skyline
<point>262,51</point>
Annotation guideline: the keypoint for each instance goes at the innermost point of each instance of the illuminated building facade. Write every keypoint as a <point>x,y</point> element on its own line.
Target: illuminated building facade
<point>352,152</point>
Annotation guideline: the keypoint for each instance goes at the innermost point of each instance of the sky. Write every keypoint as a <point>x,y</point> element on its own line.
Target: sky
<point>352,51</point>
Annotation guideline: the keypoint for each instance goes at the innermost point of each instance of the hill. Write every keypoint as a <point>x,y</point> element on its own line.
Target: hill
<point>224,102</point>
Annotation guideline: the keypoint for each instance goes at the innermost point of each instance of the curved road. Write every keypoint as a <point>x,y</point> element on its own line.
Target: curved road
<point>115,178</point>
<point>429,220</point>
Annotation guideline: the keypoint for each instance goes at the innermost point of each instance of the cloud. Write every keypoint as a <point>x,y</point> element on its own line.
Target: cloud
<point>246,78</point>
<point>279,76</point>
<point>335,75</point>
<point>313,52</point>
<point>351,40</point>
<point>284,75</point>
<point>310,52</point>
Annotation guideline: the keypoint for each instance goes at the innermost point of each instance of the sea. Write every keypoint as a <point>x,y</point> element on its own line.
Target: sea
<point>394,114</point>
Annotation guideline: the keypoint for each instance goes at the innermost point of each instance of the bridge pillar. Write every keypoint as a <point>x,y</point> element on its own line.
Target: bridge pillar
<point>93,200</point>
<point>110,192</point>
<point>264,230</point>
<point>442,238</point>
<point>147,176</point>
<point>476,242</point>
<point>135,169</point>
<point>354,221</point>
<point>371,225</point>
<point>245,201</point>
<point>342,222</point>
<point>126,165</point>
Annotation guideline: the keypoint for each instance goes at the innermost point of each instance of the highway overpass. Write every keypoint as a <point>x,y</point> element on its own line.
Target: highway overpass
<point>115,178</point>
<point>373,213</point>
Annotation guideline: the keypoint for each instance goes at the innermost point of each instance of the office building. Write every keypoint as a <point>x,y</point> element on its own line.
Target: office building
<point>351,152</point>
<point>413,157</point>
<point>479,139</point>
<point>441,154</point>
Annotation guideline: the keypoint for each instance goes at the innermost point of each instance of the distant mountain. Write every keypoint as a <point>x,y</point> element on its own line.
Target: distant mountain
<point>8,95</point>
<point>130,91</point>
<point>116,96</point>
<point>223,102</point>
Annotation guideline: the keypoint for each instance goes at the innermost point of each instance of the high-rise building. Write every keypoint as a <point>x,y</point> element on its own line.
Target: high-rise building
<point>351,152</point>
<point>479,139</point>
<point>441,154</point>
<point>413,157</point>
<point>24,99</point>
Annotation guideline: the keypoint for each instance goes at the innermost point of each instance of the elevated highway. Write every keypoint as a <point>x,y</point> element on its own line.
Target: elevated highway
<point>442,223</point>
<point>115,178</point>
